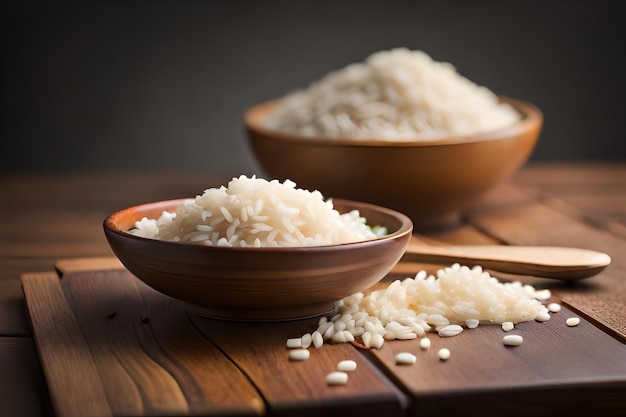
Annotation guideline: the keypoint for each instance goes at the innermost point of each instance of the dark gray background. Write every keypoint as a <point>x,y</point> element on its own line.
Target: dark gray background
<point>162,85</point>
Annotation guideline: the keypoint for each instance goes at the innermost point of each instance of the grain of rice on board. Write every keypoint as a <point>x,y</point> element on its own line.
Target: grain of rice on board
<point>398,94</point>
<point>255,212</point>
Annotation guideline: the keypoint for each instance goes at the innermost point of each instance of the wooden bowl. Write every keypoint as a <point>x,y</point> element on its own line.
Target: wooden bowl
<point>258,283</point>
<point>433,182</point>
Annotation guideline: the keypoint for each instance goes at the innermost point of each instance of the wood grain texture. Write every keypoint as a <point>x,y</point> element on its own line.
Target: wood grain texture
<point>533,223</point>
<point>146,356</point>
<point>64,352</point>
<point>565,204</point>
<point>293,387</point>
<point>153,358</point>
<point>553,358</point>
<point>595,191</point>
<point>210,383</point>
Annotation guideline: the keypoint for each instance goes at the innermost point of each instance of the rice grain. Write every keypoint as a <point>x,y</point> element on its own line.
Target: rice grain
<point>513,340</point>
<point>405,358</point>
<point>554,307</point>
<point>337,378</point>
<point>450,330</point>
<point>299,354</point>
<point>444,354</point>
<point>346,365</point>
<point>295,342</point>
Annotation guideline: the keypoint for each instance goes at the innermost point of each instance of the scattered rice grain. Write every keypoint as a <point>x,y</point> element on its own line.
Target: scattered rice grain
<point>405,358</point>
<point>543,295</point>
<point>512,340</point>
<point>444,354</point>
<point>337,378</point>
<point>572,321</point>
<point>299,354</point>
<point>554,307</point>
<point>346,365</point>
<point>295,342</point>
<point>543,316</point>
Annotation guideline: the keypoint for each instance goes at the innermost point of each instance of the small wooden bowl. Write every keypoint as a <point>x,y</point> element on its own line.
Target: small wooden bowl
<point>258,283</point>
<point>433,182</point>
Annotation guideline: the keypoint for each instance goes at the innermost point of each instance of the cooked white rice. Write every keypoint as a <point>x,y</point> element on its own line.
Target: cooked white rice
<point>393,95</point>
<point>254,212</point>
<point>413,307</point>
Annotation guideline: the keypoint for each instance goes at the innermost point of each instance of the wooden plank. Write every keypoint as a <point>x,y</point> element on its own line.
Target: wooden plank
<point>510,215</point>
<point>64,353</point>
<point>597,190</point>
<point>299,387</point>
<point>208,380</point>
<point>97,263</point>
<point>212,384</point>
<point>554,358</point>
<point>165,366</point>
<point>500,218</point>
<point>110,314</point>
<point>554,362</point>
<point>532,223</point>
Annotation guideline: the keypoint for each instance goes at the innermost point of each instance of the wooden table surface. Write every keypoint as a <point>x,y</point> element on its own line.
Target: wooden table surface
<point>53,222</point>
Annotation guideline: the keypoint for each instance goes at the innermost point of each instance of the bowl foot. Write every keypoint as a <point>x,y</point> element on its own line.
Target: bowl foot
<point>265,314</point>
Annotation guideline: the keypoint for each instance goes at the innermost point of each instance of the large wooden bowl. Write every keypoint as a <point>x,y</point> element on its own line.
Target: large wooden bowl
<point>258,283</point>
<point>433,182</point>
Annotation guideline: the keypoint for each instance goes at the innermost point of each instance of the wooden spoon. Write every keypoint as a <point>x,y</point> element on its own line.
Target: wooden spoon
<point>562,263</point>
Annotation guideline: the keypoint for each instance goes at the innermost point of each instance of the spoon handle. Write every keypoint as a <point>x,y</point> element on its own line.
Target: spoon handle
<point>542,261</point>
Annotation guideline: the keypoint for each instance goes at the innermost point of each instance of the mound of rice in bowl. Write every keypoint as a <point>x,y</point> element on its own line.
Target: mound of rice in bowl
<point>254,212</point>
<point>398,95</point>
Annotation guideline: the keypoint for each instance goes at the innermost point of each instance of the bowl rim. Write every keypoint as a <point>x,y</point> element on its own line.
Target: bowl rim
<point>532,117</point>
<point>406,227</point>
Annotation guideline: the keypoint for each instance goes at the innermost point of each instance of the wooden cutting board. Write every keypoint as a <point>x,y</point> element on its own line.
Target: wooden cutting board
<point>111,346</point>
